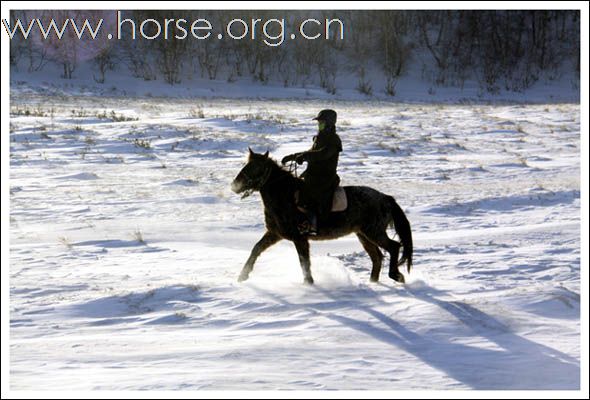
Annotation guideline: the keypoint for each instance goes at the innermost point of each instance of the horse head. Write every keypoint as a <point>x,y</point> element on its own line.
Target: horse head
<point>254,174</point>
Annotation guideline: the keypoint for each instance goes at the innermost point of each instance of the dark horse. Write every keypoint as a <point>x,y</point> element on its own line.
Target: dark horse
<point>368,214</point>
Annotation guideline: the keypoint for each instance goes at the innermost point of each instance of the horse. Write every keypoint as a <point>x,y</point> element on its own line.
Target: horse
<point>368,215</point>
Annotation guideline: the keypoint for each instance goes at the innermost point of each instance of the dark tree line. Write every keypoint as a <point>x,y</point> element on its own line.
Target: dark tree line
<point>508,49</point>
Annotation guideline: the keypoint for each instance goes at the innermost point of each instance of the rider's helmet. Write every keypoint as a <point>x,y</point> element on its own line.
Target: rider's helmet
<point>328,116</point>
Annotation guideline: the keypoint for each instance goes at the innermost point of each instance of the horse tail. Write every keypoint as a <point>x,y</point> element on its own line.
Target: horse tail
<point>402,227</point>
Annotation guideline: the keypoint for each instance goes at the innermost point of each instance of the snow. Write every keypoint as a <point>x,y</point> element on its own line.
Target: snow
<point>126,243</point>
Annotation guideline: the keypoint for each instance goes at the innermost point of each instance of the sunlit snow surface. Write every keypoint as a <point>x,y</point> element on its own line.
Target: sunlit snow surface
<point>126,243</point>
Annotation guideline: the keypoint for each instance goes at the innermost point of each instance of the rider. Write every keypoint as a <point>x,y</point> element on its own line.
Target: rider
<point>320,178</point>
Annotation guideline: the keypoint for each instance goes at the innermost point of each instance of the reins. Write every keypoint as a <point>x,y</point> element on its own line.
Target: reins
<point>293,168</point>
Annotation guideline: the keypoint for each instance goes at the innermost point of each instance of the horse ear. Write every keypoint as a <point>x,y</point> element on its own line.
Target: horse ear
<point>266,154</point>
<point>250,150</point>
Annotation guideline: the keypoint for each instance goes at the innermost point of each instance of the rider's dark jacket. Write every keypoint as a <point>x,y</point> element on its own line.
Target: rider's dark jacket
<point>320,177</point>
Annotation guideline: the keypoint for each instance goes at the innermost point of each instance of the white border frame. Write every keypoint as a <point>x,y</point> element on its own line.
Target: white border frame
<point>293,5</point>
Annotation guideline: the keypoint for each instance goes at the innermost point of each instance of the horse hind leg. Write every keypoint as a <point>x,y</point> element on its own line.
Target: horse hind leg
<point>382,240</point>
<point>375,254</point>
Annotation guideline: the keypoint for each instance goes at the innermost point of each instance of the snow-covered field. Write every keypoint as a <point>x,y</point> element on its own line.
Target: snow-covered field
<point>126,243</point>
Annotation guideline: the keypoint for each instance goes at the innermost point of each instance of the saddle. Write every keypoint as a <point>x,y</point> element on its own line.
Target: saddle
<point>339,200</point>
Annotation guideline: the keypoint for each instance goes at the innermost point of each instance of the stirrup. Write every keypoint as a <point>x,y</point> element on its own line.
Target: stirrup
<point>305,228</point>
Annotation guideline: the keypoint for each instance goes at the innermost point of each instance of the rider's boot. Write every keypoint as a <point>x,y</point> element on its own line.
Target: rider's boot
<point>309,225</point>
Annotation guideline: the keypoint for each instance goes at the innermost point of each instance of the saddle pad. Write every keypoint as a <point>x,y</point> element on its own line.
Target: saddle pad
<point>339,200</point>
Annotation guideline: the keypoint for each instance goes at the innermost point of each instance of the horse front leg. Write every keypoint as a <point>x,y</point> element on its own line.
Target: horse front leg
<point>302,246</point>
<point>264,243</point>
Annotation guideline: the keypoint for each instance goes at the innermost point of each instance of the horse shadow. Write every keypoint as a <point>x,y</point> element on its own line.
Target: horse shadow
<point>503,364</point>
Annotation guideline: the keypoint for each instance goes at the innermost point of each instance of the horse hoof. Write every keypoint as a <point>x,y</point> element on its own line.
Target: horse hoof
<point>308,281</point>
<point>374,280</point>
<point>398,277</point>
<point>242,278</point>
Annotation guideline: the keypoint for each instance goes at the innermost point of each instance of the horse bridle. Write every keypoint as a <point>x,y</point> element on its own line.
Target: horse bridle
<point>255,184</point>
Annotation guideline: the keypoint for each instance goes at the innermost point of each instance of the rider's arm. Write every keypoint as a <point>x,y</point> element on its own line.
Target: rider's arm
<point>319,154</point>
<point>329,150</point>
